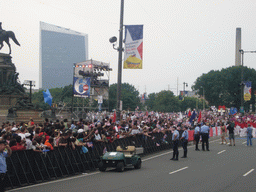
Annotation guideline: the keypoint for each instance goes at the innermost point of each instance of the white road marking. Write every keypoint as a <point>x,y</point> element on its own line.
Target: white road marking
<point>248,172</point>
<point>83,175</point>
<point>221,152</point>
<point>178,170</point>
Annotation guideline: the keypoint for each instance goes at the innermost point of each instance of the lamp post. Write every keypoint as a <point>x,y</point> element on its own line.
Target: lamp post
<point>204,98</point>
<point>184,84</point>
<point>120,52</point>
<point>30,84</point>
<point>242,78</point>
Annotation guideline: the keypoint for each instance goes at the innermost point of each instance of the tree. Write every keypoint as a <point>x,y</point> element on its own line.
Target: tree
<point>224,87</point>
<point>150,102</point>
<point>129,96</point>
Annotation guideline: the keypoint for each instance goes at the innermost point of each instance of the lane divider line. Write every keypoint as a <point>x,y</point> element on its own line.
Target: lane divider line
<point>178,170</point>
<point>248,172</point>
<point>221,151</point>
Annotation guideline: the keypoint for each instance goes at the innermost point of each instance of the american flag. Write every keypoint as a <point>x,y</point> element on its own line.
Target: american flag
<point>104,150</point>
<point>89,144</point>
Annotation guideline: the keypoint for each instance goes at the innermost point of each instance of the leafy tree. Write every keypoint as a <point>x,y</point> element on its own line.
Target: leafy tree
<point>129,96</point>
<point>150,102</point>
<point>224,87</point>
<point>167,102</point>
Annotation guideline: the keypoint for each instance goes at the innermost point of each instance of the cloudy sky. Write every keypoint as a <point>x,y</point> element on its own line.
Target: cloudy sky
<point>182,38</point>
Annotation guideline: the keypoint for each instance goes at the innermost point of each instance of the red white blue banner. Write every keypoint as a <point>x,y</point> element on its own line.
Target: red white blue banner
<point>247,90</point>
<point>133,47</point>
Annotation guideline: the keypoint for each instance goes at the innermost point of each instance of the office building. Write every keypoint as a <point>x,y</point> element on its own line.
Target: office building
<point>59,49</point>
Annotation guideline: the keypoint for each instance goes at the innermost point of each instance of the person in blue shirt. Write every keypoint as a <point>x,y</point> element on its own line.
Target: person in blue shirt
<point>3,166</point>
<point>249,135</point>
<point>197,136</point>
<point>175,140</point>
<point>205,136</point>
<point>184,139</point>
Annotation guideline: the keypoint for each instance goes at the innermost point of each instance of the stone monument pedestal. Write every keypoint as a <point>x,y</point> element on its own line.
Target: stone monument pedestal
<point>14,103</point>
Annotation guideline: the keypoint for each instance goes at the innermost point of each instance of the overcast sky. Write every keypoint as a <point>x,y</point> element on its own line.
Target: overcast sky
<point>182,38</point>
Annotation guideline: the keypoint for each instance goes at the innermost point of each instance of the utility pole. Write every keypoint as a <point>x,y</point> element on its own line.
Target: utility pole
<point>242,78</point>
<point>120,51</point>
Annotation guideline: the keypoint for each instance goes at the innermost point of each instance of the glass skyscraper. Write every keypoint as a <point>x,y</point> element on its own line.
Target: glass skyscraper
<point>60,48</point>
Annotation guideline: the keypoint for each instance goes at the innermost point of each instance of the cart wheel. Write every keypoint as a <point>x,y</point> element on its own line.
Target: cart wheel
<point>120,166</point>
<point>138,164</point>
<point>102,167</point>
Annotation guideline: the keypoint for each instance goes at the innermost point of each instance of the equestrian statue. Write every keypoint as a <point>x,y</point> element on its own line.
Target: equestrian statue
<point>4,36</point>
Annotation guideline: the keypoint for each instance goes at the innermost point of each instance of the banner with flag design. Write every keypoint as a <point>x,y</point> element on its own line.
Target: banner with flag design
<point>133,47</point>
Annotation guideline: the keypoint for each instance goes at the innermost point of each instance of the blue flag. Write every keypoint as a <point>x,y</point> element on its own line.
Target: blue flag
<point>233,111</point>
<point>47,97</point>
<point>193,116</point>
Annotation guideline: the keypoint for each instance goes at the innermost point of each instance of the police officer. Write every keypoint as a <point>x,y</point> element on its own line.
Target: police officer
<point>3,166</point>
<point>197,135</point>
<point>205,136</point>
<point>184,139</point>
<point>175,140</point>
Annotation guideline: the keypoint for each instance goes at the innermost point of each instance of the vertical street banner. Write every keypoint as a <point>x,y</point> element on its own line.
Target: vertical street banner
<point>247,90</point>
<point>81,87</point>
<point>133,47</point>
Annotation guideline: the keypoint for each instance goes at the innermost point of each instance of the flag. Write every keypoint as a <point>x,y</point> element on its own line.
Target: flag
<point>247,90</point>
<point>47,97</point>
<point>193,116</point>
<point>89,144</point>
<point>233,111</point>
<point>133,47</point>
<point>199,117</point>
<point>114,118</point>
<point>104,150</point>
<point>189,113</point>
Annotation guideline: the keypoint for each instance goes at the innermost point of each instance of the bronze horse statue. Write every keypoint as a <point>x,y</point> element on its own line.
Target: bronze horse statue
<point>5,36</point>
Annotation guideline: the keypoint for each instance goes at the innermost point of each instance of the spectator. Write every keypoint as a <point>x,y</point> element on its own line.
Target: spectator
<point>28,141</point>
<point>19,146</point>
<point>49,143</point>
<point>3,165</point>
<point>36,147</point>
<point>22,133</point>
<point>14,132</point>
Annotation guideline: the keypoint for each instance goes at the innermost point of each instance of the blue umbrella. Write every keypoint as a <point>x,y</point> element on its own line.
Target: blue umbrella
<point>47,97</point>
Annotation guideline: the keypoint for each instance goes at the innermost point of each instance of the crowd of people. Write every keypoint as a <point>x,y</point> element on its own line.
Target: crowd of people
<point>42,137</point>
<point>47,135</point>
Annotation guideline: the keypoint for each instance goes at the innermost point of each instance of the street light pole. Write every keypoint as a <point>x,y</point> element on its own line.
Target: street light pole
<point>184,84</point>
<point>203,98</point>
<point>120,51</point>
<point>242,77</point>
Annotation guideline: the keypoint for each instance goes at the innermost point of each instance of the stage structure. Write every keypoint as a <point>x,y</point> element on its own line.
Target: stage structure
<point>90,87</point>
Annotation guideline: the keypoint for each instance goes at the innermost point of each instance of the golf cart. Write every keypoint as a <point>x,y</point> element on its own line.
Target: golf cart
<point>122,157</point>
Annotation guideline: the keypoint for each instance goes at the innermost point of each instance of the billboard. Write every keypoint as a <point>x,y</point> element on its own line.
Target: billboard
<point>82,87</point>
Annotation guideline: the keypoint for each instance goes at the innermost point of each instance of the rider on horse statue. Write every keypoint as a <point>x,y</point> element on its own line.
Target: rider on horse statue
<point>4,36</point>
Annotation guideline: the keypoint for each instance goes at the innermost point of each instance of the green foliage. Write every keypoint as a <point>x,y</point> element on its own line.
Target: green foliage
<point>129,96</point>
<point>224,87</point>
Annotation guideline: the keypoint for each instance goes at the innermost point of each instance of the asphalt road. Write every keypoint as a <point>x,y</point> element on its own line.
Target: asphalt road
<point>223,168</point>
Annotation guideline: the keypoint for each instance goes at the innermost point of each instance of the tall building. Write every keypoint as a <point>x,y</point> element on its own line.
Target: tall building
<point>59,49</point>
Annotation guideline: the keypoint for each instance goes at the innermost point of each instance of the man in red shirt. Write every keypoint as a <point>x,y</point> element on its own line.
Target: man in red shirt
<point>20,145</point>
